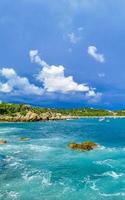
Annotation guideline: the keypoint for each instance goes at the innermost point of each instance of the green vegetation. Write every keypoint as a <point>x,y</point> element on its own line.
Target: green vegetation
<point>84,112</point>
<point>22,112</point>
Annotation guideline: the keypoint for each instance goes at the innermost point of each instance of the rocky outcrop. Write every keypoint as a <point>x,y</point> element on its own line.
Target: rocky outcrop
<point>32,116</point>
<point>3,142</point>
<point>85,146</point>
<point>24,139</point>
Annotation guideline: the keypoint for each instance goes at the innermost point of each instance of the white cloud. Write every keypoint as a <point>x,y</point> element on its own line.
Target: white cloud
<point>5,88</point>
<point>54,79</point>
<point>101,75</point>
<point>73,38</point>
<point>34,56</point>
<point>93,96</point>
<point>92,51</point>
<point>17,84</point>
<point>8,73</point>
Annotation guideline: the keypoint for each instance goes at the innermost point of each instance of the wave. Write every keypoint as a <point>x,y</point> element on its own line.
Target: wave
<point>110,149</point>
<point>9,195</point>
<point>112,174</point>
<point>106,162</point>
<point>94,186</point>
<point>44,176</point>
<point>113,194</point>
<point>39,148</point>
<point>14,195</point>
<point>7,130</point>
<point>16,148</point>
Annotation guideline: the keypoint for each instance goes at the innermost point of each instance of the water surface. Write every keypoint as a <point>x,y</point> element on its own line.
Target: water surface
<point>44,168</point>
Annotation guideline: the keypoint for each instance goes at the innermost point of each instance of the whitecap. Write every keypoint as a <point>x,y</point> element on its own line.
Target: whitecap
<point>46,179</point>
<point>111,195</point>
<point>14,195</point>
<point>111,174</point>
<point>39,148</point>
<point>104,162</point>
<point>110,149</point>
<point>94,187</point>
<point>29,175</point>
<point>10,129</point>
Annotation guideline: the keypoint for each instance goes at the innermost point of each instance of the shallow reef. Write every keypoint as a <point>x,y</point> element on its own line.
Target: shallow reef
<point>84,146</point>
<point>24,138</point>
<point>3,141</point>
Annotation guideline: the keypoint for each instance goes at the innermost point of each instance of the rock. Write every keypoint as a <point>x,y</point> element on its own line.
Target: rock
<point>3,141</point>
<point>85,146</point>
<point>31,116</point>
<point>23,139</point>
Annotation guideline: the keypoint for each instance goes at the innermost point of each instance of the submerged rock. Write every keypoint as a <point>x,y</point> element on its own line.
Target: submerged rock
<point>23,139</point>
<point>85,146</point>
<point>3,141</point>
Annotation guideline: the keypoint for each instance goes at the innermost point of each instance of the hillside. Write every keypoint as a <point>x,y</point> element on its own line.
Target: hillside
<point>22,112</point>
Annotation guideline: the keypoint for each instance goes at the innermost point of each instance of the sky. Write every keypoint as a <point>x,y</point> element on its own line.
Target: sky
<point>63,53</point>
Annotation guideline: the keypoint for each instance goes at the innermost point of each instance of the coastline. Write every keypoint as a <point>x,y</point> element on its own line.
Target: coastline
<point>27,113</point>
<point>102,118</point>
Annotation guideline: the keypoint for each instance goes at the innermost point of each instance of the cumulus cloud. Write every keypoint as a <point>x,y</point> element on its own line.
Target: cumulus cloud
<point>34,56</point>
<point>93,96</point>
<point>51,77</point>
<point>5,88</point>
<point>92,51</point>
<point>54,80</point>
<point>17,84</point>
<point>73,38</point>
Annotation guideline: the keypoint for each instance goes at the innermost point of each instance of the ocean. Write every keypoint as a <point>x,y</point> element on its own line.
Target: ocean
<point>44,168</point>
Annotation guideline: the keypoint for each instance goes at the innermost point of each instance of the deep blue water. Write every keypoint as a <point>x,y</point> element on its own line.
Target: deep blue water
<point>44,168</point>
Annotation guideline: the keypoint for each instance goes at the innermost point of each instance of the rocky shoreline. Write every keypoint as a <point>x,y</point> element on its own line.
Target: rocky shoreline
<point>33,117</point>
<point>27,113</point>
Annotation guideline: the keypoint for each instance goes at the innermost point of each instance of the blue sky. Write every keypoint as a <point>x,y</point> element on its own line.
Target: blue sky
<point>67,53</point>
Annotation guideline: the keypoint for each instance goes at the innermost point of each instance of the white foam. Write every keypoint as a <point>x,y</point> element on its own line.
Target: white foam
<point>110,149</point>
<point>111,195</point>
<point>39,148</point>
<point>14,162</point>
<point>94,187</point>
<point>10,129</point>
<point>46,179</point>
<point>28,175</point>
<point>13,195</point>
<point>111,174</point>
<point>49,139</point>
<point>104,162</point>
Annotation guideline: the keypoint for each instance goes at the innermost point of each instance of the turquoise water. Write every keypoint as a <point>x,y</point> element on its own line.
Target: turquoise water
<point>43,168</point>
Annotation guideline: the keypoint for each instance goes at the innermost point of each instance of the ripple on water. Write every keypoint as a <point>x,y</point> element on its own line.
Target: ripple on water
<point>49,170</point>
